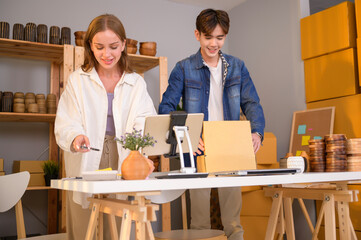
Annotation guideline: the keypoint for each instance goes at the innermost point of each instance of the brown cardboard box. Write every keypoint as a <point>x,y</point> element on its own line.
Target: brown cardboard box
<point>1,164</point>
<point>30,166</point>
<point>36,179</point>
<point>254,227</point>
<point>358,40</point>
<point>228,146</point>
<point>328,31</point>
<point>347,114</point>
<point>255,203</point>
<point>268,166</point>
<point>332,75</point>
<point>267,154</point>
<point>358,16</point>
<point>2,173</point>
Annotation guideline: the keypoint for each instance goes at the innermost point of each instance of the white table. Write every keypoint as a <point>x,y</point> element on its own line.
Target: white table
<point>159,185</point>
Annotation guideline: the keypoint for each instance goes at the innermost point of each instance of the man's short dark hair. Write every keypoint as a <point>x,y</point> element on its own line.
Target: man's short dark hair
<point>208,19</point>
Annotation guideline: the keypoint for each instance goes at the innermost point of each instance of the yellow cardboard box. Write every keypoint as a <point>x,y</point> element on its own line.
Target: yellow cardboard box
<point>327,31</point>
<point>347,114</point>
<point>255,203</point>
<point>1,164</point>
<point>332,75</point>
<point>254,227</point>
<point>358,16</point>
<point>28,165</point>
<point>267,154</point>
<point>36,179</point>
<point>2,173</point>
<point>359,56</point>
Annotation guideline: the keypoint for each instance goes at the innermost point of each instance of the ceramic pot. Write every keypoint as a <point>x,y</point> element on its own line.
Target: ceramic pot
<point>48,178</point>
<point>135,167</point>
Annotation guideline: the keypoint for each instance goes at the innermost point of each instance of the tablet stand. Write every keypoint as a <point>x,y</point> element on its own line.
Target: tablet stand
<point>178,130</point>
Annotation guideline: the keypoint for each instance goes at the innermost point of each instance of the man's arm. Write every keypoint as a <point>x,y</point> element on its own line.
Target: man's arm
<point>172,95</point>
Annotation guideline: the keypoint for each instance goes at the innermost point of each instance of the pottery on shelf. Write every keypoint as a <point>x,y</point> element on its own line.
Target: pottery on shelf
<point>135,166</point>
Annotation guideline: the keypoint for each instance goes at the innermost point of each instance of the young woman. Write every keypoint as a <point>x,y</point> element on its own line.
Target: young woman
<point>102,100</point>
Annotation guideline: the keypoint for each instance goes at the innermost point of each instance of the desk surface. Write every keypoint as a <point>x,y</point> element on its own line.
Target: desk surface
<point>124,186</point>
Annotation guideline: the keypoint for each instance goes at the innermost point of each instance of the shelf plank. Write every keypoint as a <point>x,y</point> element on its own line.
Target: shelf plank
<point>142,63</point>
<point>38,188</point>
<point>31,50</point>
<point>26,117</point>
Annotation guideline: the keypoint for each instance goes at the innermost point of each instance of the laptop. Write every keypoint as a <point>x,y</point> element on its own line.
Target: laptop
<point>258,172</point>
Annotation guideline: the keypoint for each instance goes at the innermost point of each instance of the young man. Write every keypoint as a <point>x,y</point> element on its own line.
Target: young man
<point>220,87</point>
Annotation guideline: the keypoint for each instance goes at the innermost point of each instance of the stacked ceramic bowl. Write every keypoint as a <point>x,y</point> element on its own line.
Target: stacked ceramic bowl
<point>7,102</point>
<point>19,102</point>
<point>148,48</point>
<point>79,38</point>
<point>40,101</point>
<point>132,46</point>
<point>51,103</point>
<point>30,103</point>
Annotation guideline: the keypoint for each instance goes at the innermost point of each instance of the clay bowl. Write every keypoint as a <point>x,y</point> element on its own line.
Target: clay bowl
<point>79,34</point>
<point>149,45</point>
<point>147,51</point>
<point>132,42</point>
<point>131,49</point>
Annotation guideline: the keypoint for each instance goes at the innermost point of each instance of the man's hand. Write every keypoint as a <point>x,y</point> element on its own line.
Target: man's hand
<point>256,139</point>
<point>200,147</point>
<point>78,141</point>
<point>151,166</point>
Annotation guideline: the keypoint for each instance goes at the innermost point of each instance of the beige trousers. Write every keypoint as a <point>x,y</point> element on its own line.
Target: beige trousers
<point>77,217</point>
<point>230,202</point>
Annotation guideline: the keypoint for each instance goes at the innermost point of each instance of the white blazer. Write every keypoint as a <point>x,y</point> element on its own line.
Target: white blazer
<point>83,109</point>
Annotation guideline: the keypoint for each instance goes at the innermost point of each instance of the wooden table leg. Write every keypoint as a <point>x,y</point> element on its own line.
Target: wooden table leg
<point>330,222</point>
<point>290,228</point>
<point>126,225</point>
<point>113,226</point>
<point>92,221</point>
<point>275,211</point>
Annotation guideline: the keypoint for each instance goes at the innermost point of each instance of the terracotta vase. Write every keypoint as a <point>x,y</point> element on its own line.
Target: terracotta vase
<point>135,167</point>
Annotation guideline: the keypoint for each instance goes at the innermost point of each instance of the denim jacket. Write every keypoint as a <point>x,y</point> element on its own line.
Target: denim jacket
<point>190,79</point>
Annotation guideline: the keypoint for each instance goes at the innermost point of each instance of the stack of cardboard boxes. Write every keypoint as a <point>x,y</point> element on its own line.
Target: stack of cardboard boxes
<point>331,52</point>
<point>34,168</point>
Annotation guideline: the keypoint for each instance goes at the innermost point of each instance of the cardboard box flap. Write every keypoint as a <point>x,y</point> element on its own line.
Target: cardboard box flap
<point>228,146</point>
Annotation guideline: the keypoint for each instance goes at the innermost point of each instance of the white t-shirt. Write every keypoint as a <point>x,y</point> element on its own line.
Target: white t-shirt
<point>215,103</point>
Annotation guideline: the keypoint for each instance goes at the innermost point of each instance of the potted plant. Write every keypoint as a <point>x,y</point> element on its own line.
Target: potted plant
<point>135,166</point>
<point>51,171</point>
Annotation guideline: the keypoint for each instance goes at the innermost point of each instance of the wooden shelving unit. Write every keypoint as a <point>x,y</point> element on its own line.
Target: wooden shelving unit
<point>61,58</point>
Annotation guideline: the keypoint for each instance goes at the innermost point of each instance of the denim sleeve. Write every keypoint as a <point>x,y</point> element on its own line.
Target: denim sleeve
<point>172,95</point>
<point>250,102</point>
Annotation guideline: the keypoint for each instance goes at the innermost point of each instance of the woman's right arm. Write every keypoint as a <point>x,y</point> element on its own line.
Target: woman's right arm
<point>68,123</point>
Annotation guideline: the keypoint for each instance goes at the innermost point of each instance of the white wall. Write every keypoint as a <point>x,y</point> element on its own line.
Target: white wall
<point>171,25</point>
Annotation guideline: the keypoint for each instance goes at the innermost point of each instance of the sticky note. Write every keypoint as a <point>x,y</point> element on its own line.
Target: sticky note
<point>298,153</point>
<point>301,129</point>
<point>305,140</point>
<point>317,137</point>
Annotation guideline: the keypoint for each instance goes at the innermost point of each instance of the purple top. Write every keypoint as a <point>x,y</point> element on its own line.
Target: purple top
<point>110,130</point>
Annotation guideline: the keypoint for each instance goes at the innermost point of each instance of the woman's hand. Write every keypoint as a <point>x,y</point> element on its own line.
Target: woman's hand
<point>256,139</point>
<point>80,140</point>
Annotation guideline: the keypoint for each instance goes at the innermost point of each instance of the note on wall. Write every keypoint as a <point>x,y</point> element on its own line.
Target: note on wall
<point>310,124</point>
